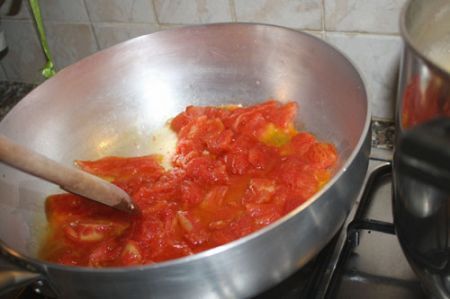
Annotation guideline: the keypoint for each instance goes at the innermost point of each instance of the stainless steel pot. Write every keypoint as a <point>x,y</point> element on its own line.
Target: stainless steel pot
<point>422,155</point>
<point>109,104</point>
<point>424,84</point>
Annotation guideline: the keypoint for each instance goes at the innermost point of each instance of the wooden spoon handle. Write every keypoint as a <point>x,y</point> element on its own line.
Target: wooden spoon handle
<point>70,179</point>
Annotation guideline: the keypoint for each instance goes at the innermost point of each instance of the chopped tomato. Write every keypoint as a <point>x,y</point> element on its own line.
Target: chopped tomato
<point>105,254</point>
<point>235,170</point>
<point>260,190</point>
<point>237,163</point>
<point>179,122</point>
<point>214,198</point>
<point>191,193</point>
<point>207,170</point>
<point>299,145</point>
<point>82,231</point>
<point>131,254</point>
<point>284,116</point>
<point>322,155</point>
<point>114,167</point>
<point>262,157</point>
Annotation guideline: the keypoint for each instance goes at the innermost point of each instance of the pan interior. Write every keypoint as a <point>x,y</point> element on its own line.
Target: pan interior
<point>112,102</point>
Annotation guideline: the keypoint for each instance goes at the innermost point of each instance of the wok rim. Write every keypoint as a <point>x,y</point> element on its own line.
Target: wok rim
<point>42,265</point>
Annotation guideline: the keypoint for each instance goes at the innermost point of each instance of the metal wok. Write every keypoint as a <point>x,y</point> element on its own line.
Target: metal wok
<point>111,102</point>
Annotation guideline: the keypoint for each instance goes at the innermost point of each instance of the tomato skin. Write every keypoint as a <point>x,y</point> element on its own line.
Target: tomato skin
<point>264,213</point>
<point>284,116</point>
<point>131,254</point>
<point>114,167</point>
<point>87,232</point>
<point>243,226</point>
<point>179,122</point>
<point>322,155</point>
<point>191,193</point>
<point>221,142</point>
<point>221,237</point>
<point>260,190</point>
<point>104,254</point>
<point>236,170</point>
<point>207,170</point>
<point>300,144</point>
<point>59,206</point>
<point>237,163</point>
<point>262,157</point>
<point>214,198</point>
<point>69,258</point>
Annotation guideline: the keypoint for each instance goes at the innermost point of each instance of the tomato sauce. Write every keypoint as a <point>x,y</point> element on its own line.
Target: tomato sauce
<point>236,170</point>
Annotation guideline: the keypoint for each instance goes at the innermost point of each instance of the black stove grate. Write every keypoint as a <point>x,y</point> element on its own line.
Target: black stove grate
<point>360,222</point>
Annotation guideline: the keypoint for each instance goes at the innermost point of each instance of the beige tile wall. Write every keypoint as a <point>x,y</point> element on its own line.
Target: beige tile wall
<point>365,30</point>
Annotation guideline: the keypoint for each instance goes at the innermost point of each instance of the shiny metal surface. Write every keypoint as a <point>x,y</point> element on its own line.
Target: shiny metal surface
<point>13,279</point>
<point>111,102</point>
<point>377,267</point>
<point>424,86</point>
<point>421,216</point>
<point>421,211</point>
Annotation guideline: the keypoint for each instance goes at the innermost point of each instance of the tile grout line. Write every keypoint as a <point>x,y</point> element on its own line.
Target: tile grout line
<point>386,34</point>
<point>323,17</point>
<point>91,25</point>
<point>155,13</point>
<point>5,18</point>
<point>363,33</point>
<point>233,13</point>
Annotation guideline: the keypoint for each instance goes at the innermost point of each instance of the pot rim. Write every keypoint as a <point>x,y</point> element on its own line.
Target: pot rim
<point>41,265</point>
<point>409,42</point>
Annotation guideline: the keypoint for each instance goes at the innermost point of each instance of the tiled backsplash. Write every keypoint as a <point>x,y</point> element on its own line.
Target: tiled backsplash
<point>365,30</point>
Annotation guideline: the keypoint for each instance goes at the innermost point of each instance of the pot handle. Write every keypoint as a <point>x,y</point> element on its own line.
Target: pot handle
<point>424,153</point>
<point>16,273</point>
<point>14,279</point>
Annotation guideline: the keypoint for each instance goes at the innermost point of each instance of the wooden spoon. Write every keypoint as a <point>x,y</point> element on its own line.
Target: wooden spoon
<point>70,179</point>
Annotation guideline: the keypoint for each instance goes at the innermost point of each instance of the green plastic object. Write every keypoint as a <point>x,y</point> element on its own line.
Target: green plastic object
<point>49,68</point>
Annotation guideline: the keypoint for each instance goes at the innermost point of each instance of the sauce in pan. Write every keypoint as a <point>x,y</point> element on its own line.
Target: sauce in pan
<point>235,170</point>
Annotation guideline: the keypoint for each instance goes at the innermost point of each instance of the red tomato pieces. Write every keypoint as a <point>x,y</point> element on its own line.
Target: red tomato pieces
<point>236,170</point>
